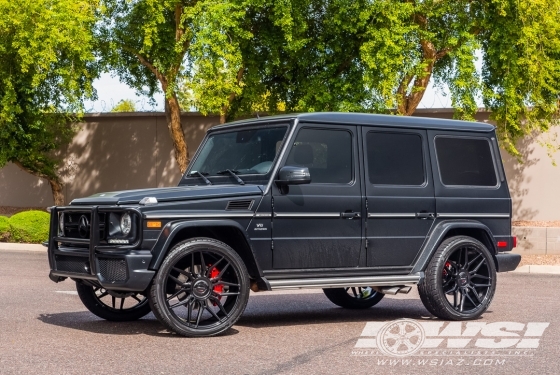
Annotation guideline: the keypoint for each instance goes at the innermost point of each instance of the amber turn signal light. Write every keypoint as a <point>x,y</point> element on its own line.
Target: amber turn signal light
<point>153,224</point>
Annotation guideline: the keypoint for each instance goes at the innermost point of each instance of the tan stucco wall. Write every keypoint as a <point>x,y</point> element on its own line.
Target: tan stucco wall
<point>115,151</point>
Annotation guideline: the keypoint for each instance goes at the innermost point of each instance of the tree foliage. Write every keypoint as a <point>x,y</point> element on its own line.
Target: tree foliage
<point>167,44</point>
<point>380,55</point>
<point>125,105</point>
<point>47,65</point>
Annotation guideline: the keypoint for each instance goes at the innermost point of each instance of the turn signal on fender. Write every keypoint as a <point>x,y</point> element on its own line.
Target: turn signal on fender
<point>153,224</point>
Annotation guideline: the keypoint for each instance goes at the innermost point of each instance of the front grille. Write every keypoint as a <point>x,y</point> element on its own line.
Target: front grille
<point>72,264</point>
<point>239,205</point>
<point>74,225</point>
<point>113,269</point>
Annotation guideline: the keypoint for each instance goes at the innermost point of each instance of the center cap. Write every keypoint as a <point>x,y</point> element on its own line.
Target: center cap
<point>463,278</point>
<point>201,288</point>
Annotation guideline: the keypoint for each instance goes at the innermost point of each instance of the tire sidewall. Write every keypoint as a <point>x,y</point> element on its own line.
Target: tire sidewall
<point>179,251</point>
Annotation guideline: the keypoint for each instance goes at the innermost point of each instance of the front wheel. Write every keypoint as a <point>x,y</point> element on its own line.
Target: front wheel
<point>354,297</point>
<point>201,289</point>
<point>460,280</point>
<point>113,305</point>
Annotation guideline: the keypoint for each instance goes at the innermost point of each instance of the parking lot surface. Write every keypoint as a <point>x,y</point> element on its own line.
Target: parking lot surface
<point>44,329</point>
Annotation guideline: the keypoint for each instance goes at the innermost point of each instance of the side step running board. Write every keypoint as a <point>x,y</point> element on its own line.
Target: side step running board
<point>339,282</point>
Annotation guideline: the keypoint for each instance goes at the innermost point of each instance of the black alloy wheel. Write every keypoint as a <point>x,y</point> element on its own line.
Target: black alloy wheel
<point>460,280</point>
<point>113,305</point>
<point>201,289</point>
<point>354,297</point>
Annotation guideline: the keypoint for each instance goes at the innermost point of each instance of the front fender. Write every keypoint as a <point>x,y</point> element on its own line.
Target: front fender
<point>439,232</point>
<point>171,229</point>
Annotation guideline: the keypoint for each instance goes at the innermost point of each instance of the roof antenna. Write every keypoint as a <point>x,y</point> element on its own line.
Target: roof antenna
<point>257,115</point>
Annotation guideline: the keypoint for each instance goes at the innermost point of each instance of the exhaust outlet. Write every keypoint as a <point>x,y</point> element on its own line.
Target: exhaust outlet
<point>393,290</point>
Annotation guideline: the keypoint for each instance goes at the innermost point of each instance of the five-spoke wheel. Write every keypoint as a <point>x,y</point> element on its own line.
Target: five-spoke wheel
<point>460,280</point>
<point>113,305</point>
<point>354,297</point>
<point>201,289</point>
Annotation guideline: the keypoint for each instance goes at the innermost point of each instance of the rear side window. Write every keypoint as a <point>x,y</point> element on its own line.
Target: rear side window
<point>465,161</point>
<point>395,159</point>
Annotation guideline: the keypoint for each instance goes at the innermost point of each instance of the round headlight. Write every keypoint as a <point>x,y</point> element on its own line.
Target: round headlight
<point>126,224</point>
<point>61,224</point>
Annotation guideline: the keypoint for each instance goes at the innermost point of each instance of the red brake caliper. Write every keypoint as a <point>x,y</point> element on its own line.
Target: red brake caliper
<point>446,268</point>
<point>218,288</point>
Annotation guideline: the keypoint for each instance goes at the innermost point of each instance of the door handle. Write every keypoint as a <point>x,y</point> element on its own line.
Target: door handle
<point>350,215</point>
<point>425,215</point>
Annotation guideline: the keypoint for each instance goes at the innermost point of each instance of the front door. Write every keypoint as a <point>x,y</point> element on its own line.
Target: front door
<point>399,195</point>
<point>319,225</point>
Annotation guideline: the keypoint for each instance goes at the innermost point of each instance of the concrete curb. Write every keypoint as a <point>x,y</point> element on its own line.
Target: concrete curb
<point>555,270</point>
<point>535,269</point>
<point>8,246</point>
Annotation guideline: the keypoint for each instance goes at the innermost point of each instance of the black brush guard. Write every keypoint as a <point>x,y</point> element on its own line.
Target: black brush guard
<point>136,260</point>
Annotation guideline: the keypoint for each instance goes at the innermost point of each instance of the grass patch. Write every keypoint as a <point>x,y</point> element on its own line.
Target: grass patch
<point>27,227</point>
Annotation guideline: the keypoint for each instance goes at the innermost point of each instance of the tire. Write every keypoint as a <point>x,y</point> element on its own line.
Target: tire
<point>201,289</point>
<point>361,297</point>
<point>460,280</point>
<point>112,305</point>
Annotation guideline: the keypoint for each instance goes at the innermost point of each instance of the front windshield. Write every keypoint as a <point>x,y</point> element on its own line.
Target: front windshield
<point>250,151</point>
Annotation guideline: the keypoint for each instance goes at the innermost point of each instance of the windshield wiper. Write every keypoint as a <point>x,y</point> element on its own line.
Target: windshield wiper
<point>201,175</point>
<point>232,173</point>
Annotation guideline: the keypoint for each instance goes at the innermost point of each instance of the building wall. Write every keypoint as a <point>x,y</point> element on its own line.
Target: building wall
<point>116,151</point>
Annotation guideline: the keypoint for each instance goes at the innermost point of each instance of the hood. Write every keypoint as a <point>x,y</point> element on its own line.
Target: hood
<point>179,193</point>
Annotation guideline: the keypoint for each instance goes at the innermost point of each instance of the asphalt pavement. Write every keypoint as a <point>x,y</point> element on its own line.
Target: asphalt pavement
<point>44,329</point>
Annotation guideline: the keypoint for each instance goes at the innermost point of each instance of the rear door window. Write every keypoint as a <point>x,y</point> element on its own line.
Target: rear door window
<point>465,161</point>
<point>395,159</point>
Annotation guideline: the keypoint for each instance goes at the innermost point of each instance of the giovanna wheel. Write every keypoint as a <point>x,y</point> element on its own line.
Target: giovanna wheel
<point>113,305</point>
<point>460,280</point>
<point>201,289</point>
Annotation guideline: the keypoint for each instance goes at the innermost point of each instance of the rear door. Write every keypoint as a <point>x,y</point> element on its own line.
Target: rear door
<point>399,195</point>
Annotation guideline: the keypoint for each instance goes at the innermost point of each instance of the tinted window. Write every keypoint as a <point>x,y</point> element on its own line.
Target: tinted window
<point>245,151</point>
<point>395,159</point>
<point>327,154</point>
<point>465,161</point>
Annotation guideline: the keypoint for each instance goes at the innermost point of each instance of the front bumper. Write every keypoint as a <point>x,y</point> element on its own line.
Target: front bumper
<point>112,267</point>
<point>507,262</point>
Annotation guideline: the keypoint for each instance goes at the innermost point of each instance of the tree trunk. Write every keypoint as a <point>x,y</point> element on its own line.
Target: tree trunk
<point>57,192</point>
<point>173,114</point>
<point>56,185</point>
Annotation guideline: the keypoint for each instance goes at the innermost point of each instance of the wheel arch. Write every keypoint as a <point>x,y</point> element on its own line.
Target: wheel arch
<point>451,228</point>
<point>227,231</point>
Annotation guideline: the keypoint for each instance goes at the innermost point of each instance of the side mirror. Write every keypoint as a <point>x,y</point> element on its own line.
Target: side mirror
<point>293,176</point>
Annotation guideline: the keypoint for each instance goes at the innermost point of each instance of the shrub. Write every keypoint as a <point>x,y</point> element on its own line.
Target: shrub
<point>4,229</point>
<point>29,226</point>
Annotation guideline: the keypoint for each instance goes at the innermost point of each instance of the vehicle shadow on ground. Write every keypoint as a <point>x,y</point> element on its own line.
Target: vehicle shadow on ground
<point>262,312</point>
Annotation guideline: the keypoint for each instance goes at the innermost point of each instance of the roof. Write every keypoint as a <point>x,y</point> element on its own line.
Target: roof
<point>350,118</point>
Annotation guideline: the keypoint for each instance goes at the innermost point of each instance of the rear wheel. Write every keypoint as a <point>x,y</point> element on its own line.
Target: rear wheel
<point>113,305</point>
<point>201,289</point>
<point>460,280</point>
<point>354,297</point>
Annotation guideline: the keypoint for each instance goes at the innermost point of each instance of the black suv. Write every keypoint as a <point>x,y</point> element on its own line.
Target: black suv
<point>359,205</point>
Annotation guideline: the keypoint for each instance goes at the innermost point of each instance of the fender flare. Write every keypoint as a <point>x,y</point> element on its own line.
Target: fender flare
<point>438,233</point>
<point>171,229</point>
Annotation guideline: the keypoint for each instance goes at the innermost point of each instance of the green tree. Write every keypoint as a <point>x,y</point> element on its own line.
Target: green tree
<point>47,66</point>
<point>166,44</point>
<point>380,55</point>
<point>125,105</point>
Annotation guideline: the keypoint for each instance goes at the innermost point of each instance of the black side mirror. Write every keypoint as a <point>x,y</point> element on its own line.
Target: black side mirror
<point>293,176</point>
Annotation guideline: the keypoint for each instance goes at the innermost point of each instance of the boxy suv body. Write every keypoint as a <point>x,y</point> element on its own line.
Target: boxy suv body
<point>359,205</point>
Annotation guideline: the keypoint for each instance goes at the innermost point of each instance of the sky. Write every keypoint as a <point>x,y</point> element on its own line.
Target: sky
<point>110,91</point>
